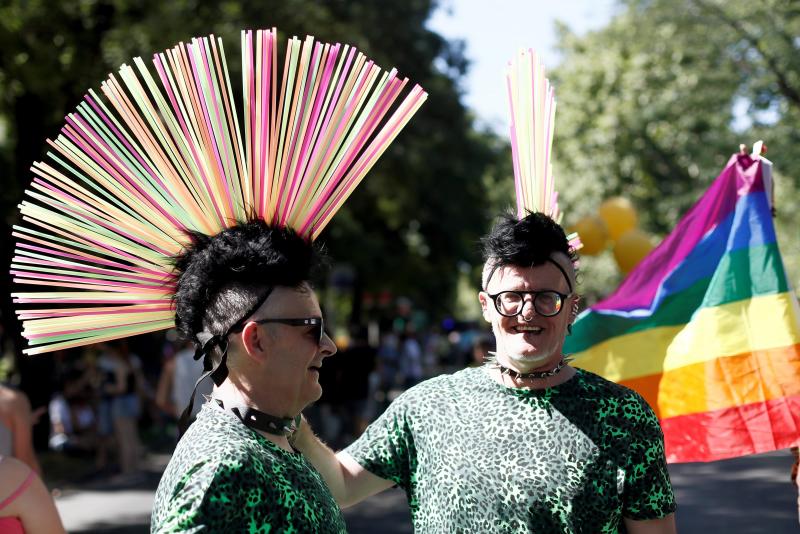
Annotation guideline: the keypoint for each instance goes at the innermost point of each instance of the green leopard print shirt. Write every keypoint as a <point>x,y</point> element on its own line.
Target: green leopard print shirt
<point>475,456</point>
<point>225,477</point>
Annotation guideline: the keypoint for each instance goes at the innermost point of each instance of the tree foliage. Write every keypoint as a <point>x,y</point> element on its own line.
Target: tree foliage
<point>408,225</point>
<point>652,105</point>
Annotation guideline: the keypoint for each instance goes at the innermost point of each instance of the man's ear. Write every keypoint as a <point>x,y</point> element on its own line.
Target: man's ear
<point>573,313</point>
<point>483,298</point>
<point>254,341</point>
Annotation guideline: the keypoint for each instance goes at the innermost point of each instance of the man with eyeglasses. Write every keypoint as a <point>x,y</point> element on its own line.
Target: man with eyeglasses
<point>525,443</point>
<point>244,297</point>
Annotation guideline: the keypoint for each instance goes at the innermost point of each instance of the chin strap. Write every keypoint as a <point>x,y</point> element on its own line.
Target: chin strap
<point>560,268</point>
<point>218,372</point>
<point>258,420</point>
<point>207,342</point>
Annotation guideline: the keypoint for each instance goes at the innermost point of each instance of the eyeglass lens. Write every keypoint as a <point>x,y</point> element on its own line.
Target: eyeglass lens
<point>511,303</point>
<point>319,331</point>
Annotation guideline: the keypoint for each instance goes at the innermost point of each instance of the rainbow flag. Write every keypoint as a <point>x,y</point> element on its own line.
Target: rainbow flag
<point>706,327</point>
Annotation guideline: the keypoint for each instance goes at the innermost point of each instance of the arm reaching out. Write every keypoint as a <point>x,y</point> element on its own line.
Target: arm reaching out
<point>348,481</point>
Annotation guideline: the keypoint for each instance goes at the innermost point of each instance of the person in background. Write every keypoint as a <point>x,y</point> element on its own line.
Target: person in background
<point>123,383</point>
<point>388,360</point>
<point>176,383</point>
<point>481,346</point>
<point>16,422</point>
<point>434,352</point>
<point>794,475</point>
<point>72,417</point>
<point>357,364</point>
<point>410,358</point>
<point>99,374</point>
<point>26,506</point>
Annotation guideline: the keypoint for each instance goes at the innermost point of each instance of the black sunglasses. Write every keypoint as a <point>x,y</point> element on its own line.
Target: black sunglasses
<point>317,322</point>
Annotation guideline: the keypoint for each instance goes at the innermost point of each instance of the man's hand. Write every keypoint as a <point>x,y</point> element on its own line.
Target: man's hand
<point>665,525</point>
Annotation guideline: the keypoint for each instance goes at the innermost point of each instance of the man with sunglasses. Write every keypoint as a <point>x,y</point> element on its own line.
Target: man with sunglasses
<point>525,443</point>
<point>244,297</point>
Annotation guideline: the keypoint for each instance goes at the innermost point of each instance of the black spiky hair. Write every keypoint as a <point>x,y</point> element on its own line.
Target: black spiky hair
<point>524,242</point>
<point>221,277</point>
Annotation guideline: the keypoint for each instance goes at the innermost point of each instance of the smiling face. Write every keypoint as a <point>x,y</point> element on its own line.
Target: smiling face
<point>529,341</point>
<point>288,357</point>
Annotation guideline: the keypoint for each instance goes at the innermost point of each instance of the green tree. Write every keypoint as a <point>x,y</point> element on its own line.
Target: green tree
<point>652,105</point>
<point>406,228</point>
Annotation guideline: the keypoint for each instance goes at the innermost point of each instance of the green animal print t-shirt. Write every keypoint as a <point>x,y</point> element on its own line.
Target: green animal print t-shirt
<point>225,477</point>
<point>475,456</point>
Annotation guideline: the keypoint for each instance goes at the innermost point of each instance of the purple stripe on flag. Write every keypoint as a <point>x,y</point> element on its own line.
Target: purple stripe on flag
<point>740,177</point>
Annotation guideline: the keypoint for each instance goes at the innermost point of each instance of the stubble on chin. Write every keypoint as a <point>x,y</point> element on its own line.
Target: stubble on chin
<point>523,363</point>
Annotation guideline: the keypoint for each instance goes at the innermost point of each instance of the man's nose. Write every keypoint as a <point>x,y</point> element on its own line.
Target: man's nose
<point>528,311</point>
<point>327,346</point>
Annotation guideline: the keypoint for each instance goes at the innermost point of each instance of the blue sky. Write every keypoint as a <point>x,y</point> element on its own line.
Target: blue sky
<point>494,30</point>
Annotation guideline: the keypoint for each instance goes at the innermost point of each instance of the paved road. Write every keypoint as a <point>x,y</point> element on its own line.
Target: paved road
<point>741,496</point>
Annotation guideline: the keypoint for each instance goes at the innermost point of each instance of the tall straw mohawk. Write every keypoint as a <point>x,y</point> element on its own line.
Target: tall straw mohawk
<point>132,174</point>
<point>532,103</point>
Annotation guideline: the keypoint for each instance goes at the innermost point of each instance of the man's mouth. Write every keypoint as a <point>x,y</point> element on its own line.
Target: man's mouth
<point>315,368</point>
<point>525,329</point>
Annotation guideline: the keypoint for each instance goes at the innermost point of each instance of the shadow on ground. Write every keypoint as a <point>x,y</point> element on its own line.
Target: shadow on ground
<point>386,513</point>
<point>101,504</point>
<point>106,528</point>
<point>740,496</point>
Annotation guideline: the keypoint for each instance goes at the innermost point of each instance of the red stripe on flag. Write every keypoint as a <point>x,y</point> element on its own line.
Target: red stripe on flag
<point>721,434</point>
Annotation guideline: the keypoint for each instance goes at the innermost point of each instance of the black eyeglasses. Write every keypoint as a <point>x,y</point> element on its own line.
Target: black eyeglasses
<point>546,303</point>
<point>317,322</point>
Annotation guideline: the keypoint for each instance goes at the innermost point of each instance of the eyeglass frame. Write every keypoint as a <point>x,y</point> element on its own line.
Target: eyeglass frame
<point>562,296</point>
<point>301,321</point>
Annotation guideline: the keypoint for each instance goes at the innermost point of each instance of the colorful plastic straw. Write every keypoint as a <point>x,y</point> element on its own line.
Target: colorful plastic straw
<point>162,154</point>
<point>532,104</point>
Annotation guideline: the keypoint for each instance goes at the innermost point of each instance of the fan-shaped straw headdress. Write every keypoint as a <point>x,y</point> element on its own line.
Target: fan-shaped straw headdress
<point>532,104</point>
<point>160,155</point>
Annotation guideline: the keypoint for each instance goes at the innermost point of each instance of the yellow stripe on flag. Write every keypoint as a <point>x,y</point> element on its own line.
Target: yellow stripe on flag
<point>757,324</point>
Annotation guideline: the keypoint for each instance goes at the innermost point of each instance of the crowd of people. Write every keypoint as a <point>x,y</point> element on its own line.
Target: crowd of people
<point>105,399</point>
<point>362,379</point>
<point>98,396</point>
<point>108,405</point>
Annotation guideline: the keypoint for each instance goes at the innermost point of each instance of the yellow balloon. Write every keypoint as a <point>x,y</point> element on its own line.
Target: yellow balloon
<point>594,236</point>
<point>631,248</point>
<point>342,341</point>
<point>619,215</point>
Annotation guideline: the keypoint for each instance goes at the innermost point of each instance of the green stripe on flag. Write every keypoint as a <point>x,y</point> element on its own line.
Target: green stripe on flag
<point>740,275</point>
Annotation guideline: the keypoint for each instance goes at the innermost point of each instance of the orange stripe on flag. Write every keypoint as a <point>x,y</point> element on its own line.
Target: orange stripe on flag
<point>722,383</point>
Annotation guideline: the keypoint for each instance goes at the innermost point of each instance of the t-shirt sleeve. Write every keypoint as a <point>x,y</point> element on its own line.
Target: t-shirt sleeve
<point>182,510</point>
<point>386,448</point>
<point>648,491</point>
<point>206,499</point>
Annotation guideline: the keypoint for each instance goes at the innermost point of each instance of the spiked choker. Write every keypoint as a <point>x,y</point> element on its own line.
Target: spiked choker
<point>258,420</point>
<point>492,362</point>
